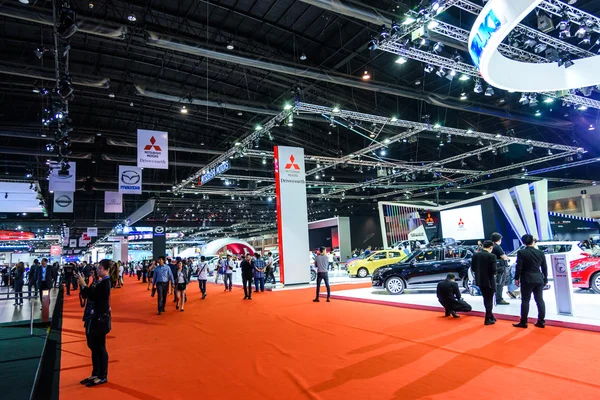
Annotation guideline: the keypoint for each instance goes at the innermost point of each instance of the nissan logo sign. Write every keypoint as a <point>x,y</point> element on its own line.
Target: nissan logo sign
<point>159,229</point>
<point>63,201</point>
<point>130,177</point>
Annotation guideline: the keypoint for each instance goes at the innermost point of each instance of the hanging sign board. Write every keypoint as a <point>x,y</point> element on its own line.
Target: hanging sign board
<point>213,172</point>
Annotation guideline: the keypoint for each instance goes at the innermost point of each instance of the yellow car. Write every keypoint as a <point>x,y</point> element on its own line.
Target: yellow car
<point>364,266</point>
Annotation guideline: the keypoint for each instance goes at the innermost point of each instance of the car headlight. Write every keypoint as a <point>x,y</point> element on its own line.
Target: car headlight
<point>582,266</point>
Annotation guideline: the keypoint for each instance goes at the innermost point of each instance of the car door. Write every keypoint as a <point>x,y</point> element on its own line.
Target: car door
<point>394,257</point>
<point>457,262</point>
<point>376,260</point>
<point>427,263</point>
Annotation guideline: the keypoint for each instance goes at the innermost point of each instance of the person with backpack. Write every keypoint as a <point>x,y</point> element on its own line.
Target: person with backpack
<point>202,275</point>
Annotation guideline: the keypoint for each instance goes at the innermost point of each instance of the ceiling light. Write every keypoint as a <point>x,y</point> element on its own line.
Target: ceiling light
<point>464,77</point>
<point>463,96</point>
<point>382,152</point>
<point>184,110</point>
<point>230,45</point>
<point>394,119</point>
<point>429,68</point>
<point>401,60</point>
<point>131,18</point>
<point>433,24</point>
<point>538,113</point>
<point>24,1</point>
<point>336,109</point>
<point>489,91</point>
<point>90,5</point>
<point>366,75</point>
<point>386,141</point>
<point>591,128</point>
<point>582,108</point>
<point>548,100</point>
<point>302,57</point>
<point>408,20</point>
<point>111,95</point>
<point>524,99</point>
<point>258,128</point>
<point>469,130</point>
<point>440,72</point>
<point>478,87</point>
<point>287,107</point>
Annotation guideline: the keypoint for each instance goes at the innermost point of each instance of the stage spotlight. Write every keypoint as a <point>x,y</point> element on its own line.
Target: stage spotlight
<point>524,100</point>
<point>67,26</point>
<point>373,44</point>
<point>581,32</point>
<point>230,45</point>
<point>565,21</point>
<point>489,91</point>
<point>438,47</point>
<point>533,101</point>
<point>478,87</point>
<point>440,72</point>
<point>65,87</point>
<point>131,18</point>
<point>429,68</point>
<point>366,75</point>
<point>463,96</point>
<point>530,149</point>
<point>303,57</point>
<point>586,91</point>
<point>50,147</point>
<point>587,40</point>
<point>384,33</point>
<point>549,152</point>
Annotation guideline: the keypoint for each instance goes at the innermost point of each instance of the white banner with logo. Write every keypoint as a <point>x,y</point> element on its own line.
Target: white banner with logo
<point>62,183</point>
<point>63,202</point>
<point>292,215</point>
<point>92,231</point>
<point>84,240</point>
<point>113,202</point>
<point>130,179</point>
<point>152,149</point>
<point>72,242</point>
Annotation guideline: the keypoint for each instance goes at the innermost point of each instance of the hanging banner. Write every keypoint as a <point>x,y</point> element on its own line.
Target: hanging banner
<point>62,183</point>
<point>55,251</point>
<point>84,240</point>
<point>92,231</point>
<point>63,202</point>
<point>130,179</point>
<point>113,202</point>
<point>152,149</point>
<point>292,215</point>
<point>72,242</point>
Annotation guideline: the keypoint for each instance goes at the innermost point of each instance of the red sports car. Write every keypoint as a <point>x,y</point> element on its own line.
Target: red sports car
<point>585,273</point>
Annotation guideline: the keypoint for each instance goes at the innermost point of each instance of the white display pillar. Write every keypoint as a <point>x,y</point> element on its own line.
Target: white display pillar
<point>292,215</point>
<point>344,238</point>
<point>121,251</point>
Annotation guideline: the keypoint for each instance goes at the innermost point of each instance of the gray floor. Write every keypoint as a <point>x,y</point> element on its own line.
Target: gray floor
<point>19,315</point>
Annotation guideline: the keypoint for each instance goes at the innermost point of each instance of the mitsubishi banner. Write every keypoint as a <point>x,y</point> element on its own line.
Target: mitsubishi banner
<point>152,149</point>
<point>130,179</point>
<point>62,183</point>
<point>63,202</point>
<point>292,215</point>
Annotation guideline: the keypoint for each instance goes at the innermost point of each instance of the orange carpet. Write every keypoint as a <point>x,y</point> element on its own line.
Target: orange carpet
<point>282,345</point>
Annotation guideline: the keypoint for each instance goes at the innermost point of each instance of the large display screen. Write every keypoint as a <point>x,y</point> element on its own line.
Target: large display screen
<point>462,223</point>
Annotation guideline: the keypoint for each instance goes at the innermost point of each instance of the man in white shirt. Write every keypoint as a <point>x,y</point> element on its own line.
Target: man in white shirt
<point>202,275</point>
<point>227,276</point>
<point>330,260</point>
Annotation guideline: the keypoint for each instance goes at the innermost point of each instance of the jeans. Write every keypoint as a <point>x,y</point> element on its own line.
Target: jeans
<point>538,293</point>
<point>261,281</point>
<point>162,288</point>
<point>270,276</point>
<point>488,302</point>
<point>217,276</point>
<point>202,284</point>
<point>228,278</point>
<point>247,283</point>
<point>323,276</point>
<point>19,291</point>
<point>97,344</point>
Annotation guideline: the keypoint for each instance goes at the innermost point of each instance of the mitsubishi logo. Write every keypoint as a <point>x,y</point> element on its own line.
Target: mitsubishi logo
<point>292,164</point>
<point>152,145</point>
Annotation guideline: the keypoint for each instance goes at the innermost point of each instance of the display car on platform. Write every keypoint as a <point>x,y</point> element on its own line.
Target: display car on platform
<point>585,272</point>
<point>424,268</point>
<point>366,265</point>
<point>572,249</point>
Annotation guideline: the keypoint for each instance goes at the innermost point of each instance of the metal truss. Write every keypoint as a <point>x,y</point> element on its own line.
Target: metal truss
<point>578,16</point>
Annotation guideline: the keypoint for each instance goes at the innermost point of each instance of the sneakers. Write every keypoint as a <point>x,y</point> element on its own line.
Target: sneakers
<point>502,303</point>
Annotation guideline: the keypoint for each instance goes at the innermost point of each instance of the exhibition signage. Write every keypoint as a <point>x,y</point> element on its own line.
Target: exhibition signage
<point>55,250</point>
<point>159,241</point>
<point>130,179</point>
<point>92,231</point>
<point>113,202</point>
<point>72,242</point>
<point>213,172</point>
<point>152,149</point>
<point>63,202</point>
<point>495,22</point>
<point>84,240</point>
<point>292,215</point>
<point>62,183</point>
<point>563,285</point>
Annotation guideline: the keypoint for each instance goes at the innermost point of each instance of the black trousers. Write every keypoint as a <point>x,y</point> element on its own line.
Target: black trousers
<point>69,280</point>
<point>19,291</point>
<point>247,283</point>
<point>323,276</point>
<point>202,284</point>
<point>459,306</point>
<point>97,344</point>
<point>162,289</point>
<point>270,276</point>
<point>538,293</point>
<point>501,278</point>
<point>488,301</point>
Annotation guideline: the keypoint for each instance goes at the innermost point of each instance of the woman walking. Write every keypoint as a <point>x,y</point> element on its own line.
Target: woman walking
<point>19,281</point>
<point>181,281</point>
<point>202,275</point>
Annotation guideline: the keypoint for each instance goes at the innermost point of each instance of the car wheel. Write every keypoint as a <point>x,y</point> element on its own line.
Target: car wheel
<point>595,282</point>
<point>313,275</point>
<point>394,285</point>
<point>362,272</point>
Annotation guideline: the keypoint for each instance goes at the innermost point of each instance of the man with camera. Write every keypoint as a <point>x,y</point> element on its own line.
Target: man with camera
<point>97,321</point>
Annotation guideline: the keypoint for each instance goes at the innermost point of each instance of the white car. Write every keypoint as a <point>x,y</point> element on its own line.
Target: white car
<point>572,249</point>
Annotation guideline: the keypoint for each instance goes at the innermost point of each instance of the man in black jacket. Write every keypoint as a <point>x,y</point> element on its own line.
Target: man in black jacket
<point>448,295</point>
<point>45,279</point>
<point>32,279</point>
<point>503,270</point>
<point>247,274</point>
<point>69,273</point>
<point>532,275</point>
<point>483,265</point>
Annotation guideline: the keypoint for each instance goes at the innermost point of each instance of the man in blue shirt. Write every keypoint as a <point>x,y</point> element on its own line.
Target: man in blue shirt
<point>259,273</point>
<point>44,277</point>
<point>161,278</point>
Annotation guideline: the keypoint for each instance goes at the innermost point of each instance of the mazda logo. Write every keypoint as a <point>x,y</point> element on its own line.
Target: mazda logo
<point>159,229</point>
<point>63,201</point>
<point>130,177</point>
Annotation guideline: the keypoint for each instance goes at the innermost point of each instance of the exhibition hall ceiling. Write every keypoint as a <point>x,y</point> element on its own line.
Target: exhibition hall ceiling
<point>208,72</point>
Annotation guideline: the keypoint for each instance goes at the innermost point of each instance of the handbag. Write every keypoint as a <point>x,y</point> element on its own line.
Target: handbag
<point>100,325</point>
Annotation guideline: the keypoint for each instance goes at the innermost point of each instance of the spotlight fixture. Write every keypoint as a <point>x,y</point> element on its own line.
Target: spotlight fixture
<point>40,51</point>
<point>489,91</point>
<point>401,60</point>
<point>131,18</point>
<point>479,142</point>
<point>438,47</point>
<point>441,72</point>
<point>91,5</point>
<point>538,113</point>
<point>429,68</point>
<point>184,110</point>
<point>463,164</point>
<point>533,101</point>
<point>530,149</point>
<point>464,77</point>
<point>524,100</point>
<point>591,128</point>
<point>549,152</point>
<point>565,21</point>
<point>302,57</point>
<point>373,44</point>
<point>478,87</point>
<point>230,45</point>
<point>564,59</point>
<point>479,156</point>
<point>366,75</point>
<point>111,95</point>
<point>66,25</point>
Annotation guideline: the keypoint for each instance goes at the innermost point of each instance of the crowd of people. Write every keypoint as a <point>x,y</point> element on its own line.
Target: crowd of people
<point>492,274</point>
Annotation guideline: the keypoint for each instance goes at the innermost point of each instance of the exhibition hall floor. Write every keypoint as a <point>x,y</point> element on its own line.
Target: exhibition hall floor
<point>282,345</point>
<point>585,305</point>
